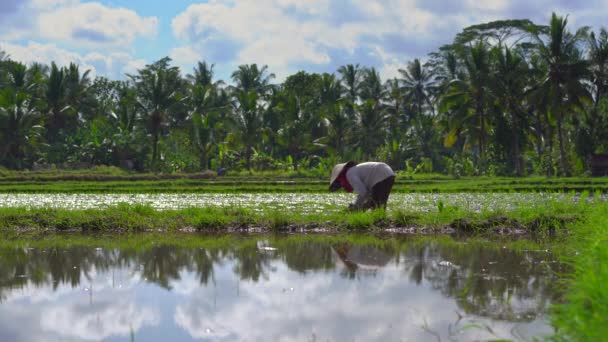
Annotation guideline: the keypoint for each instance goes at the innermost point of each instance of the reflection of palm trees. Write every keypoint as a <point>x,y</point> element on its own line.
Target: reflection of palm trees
<point>162,264</point>
<point>491,282</point>
<point>250,263</point>
<point>201,262</point>
<point>307,256</point>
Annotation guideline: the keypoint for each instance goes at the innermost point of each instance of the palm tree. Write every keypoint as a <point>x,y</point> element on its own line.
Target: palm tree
<point>371,86</point>
<point>598,59</point>
<point>295,135</point>
<point>562,86</point>
<point>467,100</point>
<point>203,74</point>
<point>510,83</point>
<point>251,78</point>
<point>371,128</point>
<point>247,122</point>
<point>351,82</point>
<point>206,122</point>
<point>397,118</point>
<point>157,87</point>
<point>19,119</point>
<point>418,87</point>
<point>418,84</point>
<point>56,102</point>
<point>335,113</point>
<point>77,86</point>
<point>330,90</point>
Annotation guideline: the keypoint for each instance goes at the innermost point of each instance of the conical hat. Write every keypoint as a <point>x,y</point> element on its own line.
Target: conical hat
<point>338,169</point>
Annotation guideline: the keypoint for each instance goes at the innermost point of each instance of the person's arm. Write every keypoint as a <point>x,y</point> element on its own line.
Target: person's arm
<point>359,187</point>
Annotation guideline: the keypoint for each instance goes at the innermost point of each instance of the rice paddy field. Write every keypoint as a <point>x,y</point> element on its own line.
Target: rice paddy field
<point>148,257</point>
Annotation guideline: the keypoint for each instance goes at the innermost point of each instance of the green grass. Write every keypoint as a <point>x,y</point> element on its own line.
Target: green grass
<point>145,241</point>
<point>584,314</point>
<point>550,216</point>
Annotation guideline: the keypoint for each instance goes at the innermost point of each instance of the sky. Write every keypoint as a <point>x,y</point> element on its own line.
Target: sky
<point>115,37</point>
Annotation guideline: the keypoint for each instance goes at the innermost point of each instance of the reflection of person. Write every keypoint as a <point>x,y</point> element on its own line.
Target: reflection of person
<point>361,257</point>
<point>372,181</point>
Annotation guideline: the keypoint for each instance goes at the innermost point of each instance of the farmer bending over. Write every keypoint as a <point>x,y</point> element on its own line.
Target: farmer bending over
<point>372,181</point>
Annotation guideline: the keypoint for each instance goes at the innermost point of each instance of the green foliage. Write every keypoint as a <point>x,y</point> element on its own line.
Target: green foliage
<point>582,315</point>
<point>507,97</point>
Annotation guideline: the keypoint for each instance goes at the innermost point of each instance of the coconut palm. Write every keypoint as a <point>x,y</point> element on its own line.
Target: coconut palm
<point>562,87</point>
<point>56,102</point>
<point>371,127</point>
<point>203,75</point>
<point>397,118</point>
<point>157,87</point>
<point>330,90</point>
<point>510,83</point>
<point>418,84</point>
<point>205,105</point>
<point>351,83</point>
<point>19,120</point>
<point>371,86</point>
<point>467,99</point>
<point>598,59</point>
<point>252,78</point>
<point>295,135</point>
<point>246,122</point>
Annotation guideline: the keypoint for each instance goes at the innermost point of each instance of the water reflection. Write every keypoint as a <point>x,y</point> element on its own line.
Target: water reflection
<point>293,290</point>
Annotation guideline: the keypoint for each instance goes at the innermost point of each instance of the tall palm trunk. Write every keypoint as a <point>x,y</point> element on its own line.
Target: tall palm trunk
<point>560,136</point>
<point>564,170</point>
<point>482,135</point>
<point>203,163</point>
<point>516,157</point>
<point>154,146</point>
<point>248,158</point>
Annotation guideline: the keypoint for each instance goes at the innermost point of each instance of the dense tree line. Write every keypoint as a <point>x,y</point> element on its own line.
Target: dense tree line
<point>506,97</point>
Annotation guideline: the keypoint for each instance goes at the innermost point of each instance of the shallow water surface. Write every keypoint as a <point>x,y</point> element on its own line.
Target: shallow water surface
<point>307,203</point>
<point>279,290</point>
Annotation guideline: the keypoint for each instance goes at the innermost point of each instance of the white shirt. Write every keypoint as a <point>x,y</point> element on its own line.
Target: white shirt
<point>362,177</point>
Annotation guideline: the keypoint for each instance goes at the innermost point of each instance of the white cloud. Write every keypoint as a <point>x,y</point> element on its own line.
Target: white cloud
<point>113,64</point>
<point>109,318</point>
<point>96,25</point>
<point>80,25</point>
<point>289,35</point>
<point>284,35</point>
<point>184,54</point>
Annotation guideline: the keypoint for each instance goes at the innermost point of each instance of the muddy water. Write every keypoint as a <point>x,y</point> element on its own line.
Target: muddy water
<point>302,291</point>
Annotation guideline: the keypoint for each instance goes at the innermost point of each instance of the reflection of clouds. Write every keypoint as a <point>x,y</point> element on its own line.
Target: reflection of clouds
<point>328,306</point>
<point>107,317</point>
<point>101,307</point>
<point>323,302</point>
<point>197,321</point>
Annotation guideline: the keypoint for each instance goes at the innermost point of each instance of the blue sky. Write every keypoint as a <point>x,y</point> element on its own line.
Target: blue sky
<point>114,37</point>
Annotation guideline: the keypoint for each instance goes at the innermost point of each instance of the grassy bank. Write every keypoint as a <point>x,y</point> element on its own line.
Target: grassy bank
<point>549,216</point>
<point>584,314</point>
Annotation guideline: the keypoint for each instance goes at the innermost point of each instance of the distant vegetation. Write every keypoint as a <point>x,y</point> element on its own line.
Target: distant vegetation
<point>505,98</point>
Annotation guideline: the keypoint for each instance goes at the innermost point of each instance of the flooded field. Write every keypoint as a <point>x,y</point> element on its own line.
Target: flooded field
<point>423,202</point>
<point>270,291</point>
